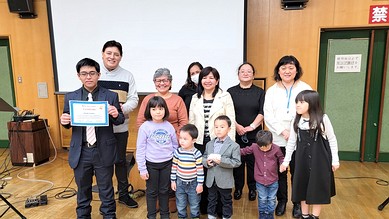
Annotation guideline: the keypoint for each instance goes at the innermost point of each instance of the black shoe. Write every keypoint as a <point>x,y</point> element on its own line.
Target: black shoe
<point>128,201</point>
<point>280,209</point>
<point>237,194</point>
<point>296,212</point>
<point>252,195</point>
<point>101,213</point>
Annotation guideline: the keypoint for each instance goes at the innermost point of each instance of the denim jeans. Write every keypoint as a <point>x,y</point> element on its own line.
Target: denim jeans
<point>267,198</point>
<point>186,193</point>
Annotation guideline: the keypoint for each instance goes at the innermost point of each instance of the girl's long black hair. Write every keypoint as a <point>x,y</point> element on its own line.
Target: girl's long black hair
<point>314,109</point>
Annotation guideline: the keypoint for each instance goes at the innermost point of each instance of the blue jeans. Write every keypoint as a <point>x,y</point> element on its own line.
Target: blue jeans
<point>267,198</point>
<point>186,192</point>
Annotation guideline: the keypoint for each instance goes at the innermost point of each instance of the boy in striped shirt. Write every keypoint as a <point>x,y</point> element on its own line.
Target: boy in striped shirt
<point>187,175</point>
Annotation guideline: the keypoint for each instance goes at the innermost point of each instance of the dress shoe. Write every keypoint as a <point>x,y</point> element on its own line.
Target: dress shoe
<point>296,212</point>
<point>128,201</point>
<point>237,194</point>
<point>252,195</point>
<point>280,209</point>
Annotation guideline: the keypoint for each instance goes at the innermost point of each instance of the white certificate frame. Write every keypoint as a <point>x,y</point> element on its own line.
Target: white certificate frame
<point>89,113</point>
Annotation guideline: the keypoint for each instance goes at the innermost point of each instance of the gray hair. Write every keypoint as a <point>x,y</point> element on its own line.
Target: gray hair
<point>163,72</point>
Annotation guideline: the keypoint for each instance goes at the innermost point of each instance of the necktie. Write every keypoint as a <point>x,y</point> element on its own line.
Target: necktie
<point>90,130</point>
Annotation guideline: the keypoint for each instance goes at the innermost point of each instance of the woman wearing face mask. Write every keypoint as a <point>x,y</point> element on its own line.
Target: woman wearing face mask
<point>190,86</point>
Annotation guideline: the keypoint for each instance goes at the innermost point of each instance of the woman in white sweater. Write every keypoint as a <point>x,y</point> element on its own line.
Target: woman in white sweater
<point>279,110</point>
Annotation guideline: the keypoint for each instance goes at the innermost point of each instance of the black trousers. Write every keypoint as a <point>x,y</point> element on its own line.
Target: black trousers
<point>121,163</point>
<point>204,194</point>
<point>239,172</point>
<point>282,193</point>
<point>158,186</point>
<point>224,196</point>
<point>88,165</point>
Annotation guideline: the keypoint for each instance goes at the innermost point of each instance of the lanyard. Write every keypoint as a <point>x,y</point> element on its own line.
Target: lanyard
<point>288,95</point>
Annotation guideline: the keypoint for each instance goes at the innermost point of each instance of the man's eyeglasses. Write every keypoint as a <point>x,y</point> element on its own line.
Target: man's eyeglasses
<point>91,73</point>
<point>165,81</point>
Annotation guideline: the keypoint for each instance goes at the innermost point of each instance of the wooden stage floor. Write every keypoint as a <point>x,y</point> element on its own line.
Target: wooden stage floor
<point>358,193</point>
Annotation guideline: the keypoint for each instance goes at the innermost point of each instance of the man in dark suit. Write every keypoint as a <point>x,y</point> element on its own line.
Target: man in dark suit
<point>97,157</point>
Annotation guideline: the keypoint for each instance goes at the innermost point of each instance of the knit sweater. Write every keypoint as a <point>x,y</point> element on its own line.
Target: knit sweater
<point>280,109</point>
<point>178,116</point>
<point>122,82</point>
<point>156,143</point>
<point>187,165</point>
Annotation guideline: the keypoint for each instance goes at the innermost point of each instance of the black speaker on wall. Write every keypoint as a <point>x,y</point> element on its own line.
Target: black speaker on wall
<point>293,4</point>
<point>24,8</point>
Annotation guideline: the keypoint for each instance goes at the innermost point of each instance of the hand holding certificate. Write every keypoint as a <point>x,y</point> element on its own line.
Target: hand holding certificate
<point>85,113</point>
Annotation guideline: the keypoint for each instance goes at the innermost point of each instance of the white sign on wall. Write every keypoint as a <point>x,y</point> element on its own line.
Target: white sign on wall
<point>348,63</point>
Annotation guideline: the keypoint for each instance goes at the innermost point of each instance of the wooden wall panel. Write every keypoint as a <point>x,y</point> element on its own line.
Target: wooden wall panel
<point>257,34</point>
<point>274,32</point>
<point>31,60</point>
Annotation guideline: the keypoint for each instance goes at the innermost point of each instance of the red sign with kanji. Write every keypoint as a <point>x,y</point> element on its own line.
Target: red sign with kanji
<point>378,14</point>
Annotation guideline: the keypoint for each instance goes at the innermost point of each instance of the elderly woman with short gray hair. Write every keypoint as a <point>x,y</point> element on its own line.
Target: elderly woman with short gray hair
<point>178,115</point>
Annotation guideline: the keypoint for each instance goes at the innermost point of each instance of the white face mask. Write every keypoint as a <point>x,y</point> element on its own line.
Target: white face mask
<point>195,78</point>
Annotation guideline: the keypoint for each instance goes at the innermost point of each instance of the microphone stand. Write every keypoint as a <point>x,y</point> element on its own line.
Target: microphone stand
<point>10,206</point>
<point>5,107</point>
<point>382,206</point>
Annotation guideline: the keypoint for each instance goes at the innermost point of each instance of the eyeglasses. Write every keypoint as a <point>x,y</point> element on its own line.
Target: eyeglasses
<point>247,72</point>
<point>284,68</point>
<point>165,81</point>
<point>85,74</point>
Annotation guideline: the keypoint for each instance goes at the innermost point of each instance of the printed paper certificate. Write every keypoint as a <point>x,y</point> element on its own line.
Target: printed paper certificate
<point>86,113</point>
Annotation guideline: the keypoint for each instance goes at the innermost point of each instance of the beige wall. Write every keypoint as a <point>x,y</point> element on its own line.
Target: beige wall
<point>272,33</point>
<point>31,59</point>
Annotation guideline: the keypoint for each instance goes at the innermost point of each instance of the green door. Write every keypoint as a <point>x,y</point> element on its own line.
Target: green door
<point>351,73</point>
<point>382,153</point>
<point>6,89</point>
